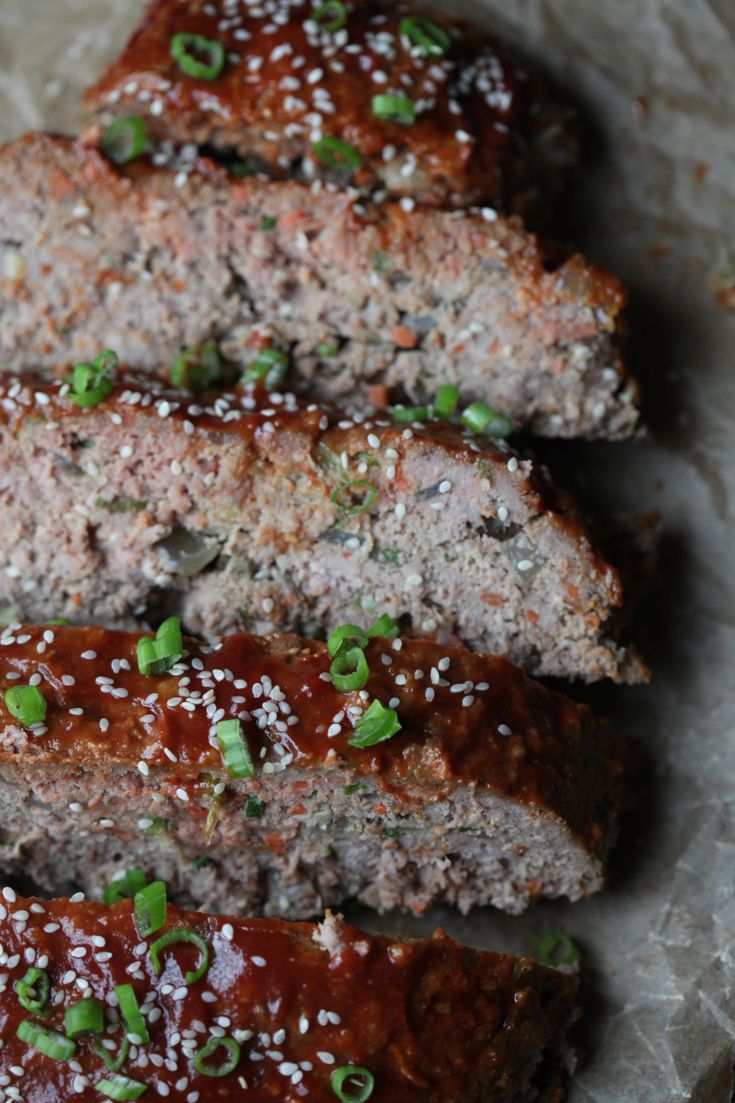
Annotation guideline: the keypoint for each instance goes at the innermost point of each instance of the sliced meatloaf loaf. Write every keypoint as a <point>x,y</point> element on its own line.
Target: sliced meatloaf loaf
<point>203,1009</point>
<point>380,96</point>
<point>405,301</point>
<point>448,777</point>
<point>250,509</point>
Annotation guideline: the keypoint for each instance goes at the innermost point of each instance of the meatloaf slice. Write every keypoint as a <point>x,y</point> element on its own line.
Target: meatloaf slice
<point>250,509</point>
<point>493,790</point>
<point>408,301</point>
<point>286,95</point>
<point>282,1012</point>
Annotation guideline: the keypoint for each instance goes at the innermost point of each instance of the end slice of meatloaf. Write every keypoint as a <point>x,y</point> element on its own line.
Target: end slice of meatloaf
<point>293,97</point>
<point>495,790</point>
<point>250,509</point>
<point>402,300</point>
<point>282,1011</point>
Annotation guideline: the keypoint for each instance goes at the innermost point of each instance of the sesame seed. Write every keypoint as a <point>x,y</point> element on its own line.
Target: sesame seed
<point>512,464</point>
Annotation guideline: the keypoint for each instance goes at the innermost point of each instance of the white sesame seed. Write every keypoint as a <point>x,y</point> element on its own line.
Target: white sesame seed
<point>512,464</point>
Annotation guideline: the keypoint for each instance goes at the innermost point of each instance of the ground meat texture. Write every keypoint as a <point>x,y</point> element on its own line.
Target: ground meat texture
<point>399,301</point>
<point>494,790</point>
<point>485,131</point>
<point>429,1020</point>
<point>249,509</point>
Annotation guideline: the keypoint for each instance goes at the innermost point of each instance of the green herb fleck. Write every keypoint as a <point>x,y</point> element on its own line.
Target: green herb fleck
<point>381,262</point>
<point>355,787</point>
<point>254,808</point>
<point>120,505</point>
<point>267,223</point>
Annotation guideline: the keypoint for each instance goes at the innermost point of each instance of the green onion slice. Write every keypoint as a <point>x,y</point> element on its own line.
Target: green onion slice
<point>344,635</point>
<point>556,948</point>
<point>254,808</point>
<point>46,1041</point>
<point>181,934</point>
<point>124,140</point>
<point>33,989</point>
<point>343,496</point>
<point>125,887</point>
<point>150,908</point>
<point>197,368</point>
<point>121,1087</point>
<point>425,33</point>
<point>155,656</point>
<point>395,109</point>
<point>352,1084</point>
<point>234,748</point>
<point>374,726</point>
<point>199,57</point>
<point>335,153</point>
<point>446,400</point>
<point>130,1010</point>
<point>270,367</point>
<point>267,223</point>
<point>407,414</point>
<point>326,348</point>
<point>91,384</point>
<point>116,1062</point>
<point>232,1050</point>
<point>27,704</point>
<point>385,627</point>
<point>331,16</point>
<point>349,669</point>
<point>483,419</point>
<point>84,1017</point>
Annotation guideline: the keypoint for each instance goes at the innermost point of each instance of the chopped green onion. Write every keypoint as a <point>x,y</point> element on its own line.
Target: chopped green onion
<point>267,223</point>
<point>384,626</point>
<point>331,16</point>
<point>326,348</point>
<point>154,825</point>
<point>355,787</point>
<point>124,140</point>
<point>121,1088</point>
<point>155,656</point>
<point>254,808</point>
<point>269,367</point>
<point>150,908</point>
<point>335,153</point>
<point>342,496</point>
<point>234,748</point>
<point>123,888</point>
<point>46,1041</point>
<point>349,670</point>
<point>116,1062</point>
<point>181,934</point>
<point>374,726</point>
<point>446,400</point>
<point>61,621</point>
<point>33,989</point>
<point>210,1047</point>
<point>407,414</point>
<point>425,33</point>
<point>91,383</point>
<point>27,704</point>
<point>185,48</point>
<point>483,419</point>
<point>556,949</point>
<point>84,1017</point>
<point>396,109</point>
<point>197,368</point>
<point>130,1010</point>
<point>352,1084</point>
<point>346,633</point>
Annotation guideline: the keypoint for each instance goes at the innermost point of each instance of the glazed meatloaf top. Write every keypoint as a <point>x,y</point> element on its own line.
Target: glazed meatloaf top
<point>374,94</point>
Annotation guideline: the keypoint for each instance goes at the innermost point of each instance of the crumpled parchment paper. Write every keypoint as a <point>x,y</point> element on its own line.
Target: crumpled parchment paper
<point>655,80</point>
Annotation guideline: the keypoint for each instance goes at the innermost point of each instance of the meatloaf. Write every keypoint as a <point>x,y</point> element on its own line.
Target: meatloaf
<point>467,783</point>
<point>278,1011</point>
<point>247,508</point>
<point>402,301</point>
<point>380,96</point>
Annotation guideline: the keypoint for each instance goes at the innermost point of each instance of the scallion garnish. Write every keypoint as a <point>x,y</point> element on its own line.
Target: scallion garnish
<point>197,368</point>
<point>446,400</point>
<point>124,140</point>
<point>232,1049</point>
<point>150,908</point>
<point>346,635</point>
<point>171,938</point>
<point>46,1041</point>
<point>331,16</point>
<point>406,414</point>
<point>234,748</point>
<point>134,1021</point>
<point>116,1062</point>
<point>254,808</point>
<point>267,223</point>
<point>84,1017</point>
<point>557,949</point>
<point>33,989</point>
<point>125,887</point>
<point>199,57</point>
<point>395,109</point>
<point>326,348</point>
<point>27,704</point>
<point>155,656</point>
<point>349,669</point>
<point>352,1084</point>
<point>483,419</point>
<point>343,496</point>
<point>91,384</point>
<point>384,626</point>
<point>121,1088</point>
<point>335,153</point>
<point>425,33</point>
<point>374,726</point>
<point>270,367</point>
